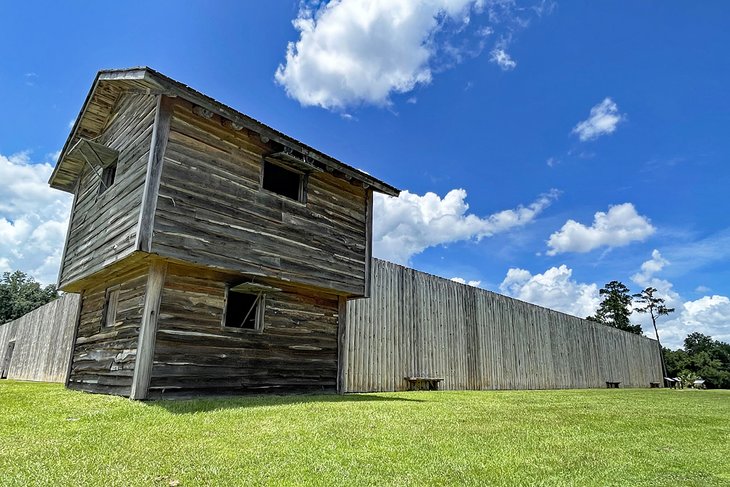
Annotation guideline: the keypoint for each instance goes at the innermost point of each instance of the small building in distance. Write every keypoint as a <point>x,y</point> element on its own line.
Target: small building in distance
<point>211,252</point>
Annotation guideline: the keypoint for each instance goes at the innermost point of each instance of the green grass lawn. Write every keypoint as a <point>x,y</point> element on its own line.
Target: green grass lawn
<point>51,436</point>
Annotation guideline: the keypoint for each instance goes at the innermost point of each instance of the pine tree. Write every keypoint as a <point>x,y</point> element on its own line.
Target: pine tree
<point>615,308</point>
<point>653,305</point>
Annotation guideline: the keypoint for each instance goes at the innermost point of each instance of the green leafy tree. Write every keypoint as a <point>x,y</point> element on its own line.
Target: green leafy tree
<point>702,357</point>
<point>615,308</point>
<point>652,304</point>
<point>696,343</point>
<point>676,361</point>
<point>21,294</point>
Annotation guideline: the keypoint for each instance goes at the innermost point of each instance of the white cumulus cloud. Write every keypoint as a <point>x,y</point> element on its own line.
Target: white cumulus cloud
<point>351,52</point>
<point>554,289</point>
<point>461,280</point>
<point>649,268</point>
<point>603,120</point>
<point>33,218</point>
<point>709,315</point>
<point>407,225</point>
<point>617,227</point>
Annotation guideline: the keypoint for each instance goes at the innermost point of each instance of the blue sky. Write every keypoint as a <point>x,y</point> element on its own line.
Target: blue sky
<point>565,144</point>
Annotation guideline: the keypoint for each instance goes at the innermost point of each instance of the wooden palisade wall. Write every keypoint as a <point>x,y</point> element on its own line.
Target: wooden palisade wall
<point>42,340</point>
<point>416,324</point>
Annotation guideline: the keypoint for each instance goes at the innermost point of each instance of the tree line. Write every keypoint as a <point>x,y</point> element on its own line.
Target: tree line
<point>20,294</point>
<point>701,358</point>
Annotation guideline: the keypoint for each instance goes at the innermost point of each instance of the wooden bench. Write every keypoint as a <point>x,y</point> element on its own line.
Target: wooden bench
<point>612,384</point>
<point>654,385</point>
<point>423,383</point>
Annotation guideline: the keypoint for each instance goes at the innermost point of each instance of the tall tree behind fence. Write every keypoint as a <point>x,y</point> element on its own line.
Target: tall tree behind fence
<point>416,324</point>
<point>37,346</point>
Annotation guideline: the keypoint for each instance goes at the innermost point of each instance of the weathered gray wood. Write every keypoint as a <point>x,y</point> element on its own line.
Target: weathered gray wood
<point>212,211</point>
<point>103,357</point>
<point>43,340</point>
<point>108,85</point>
<point>342,341</point>
<point>160,133</point>
<point>148,330</point>
<point>295,351</point>
<point>103,228</point>
<point>420,325</point>
<point>368,241</point>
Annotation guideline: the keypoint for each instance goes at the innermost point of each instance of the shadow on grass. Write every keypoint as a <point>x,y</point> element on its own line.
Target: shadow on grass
<point>213,403</point>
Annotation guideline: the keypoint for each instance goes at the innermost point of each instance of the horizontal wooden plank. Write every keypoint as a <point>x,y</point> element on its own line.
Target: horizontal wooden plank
<point>210,205</point>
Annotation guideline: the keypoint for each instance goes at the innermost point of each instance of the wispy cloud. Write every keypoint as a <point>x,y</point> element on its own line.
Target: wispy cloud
<point>502,59</point>
<point>30,79</point>
<point>603,120</point>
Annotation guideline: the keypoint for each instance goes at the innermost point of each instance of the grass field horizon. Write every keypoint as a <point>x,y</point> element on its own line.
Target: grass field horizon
<point>53,436</point>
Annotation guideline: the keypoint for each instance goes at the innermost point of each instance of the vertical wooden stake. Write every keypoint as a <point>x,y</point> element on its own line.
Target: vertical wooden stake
<point>368,243</point>
<point>342,358</point>
<point>148,331</point>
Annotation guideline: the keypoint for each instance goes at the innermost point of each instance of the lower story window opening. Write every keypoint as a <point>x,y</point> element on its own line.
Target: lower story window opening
<point>109,317</point>
<point>244,310</point>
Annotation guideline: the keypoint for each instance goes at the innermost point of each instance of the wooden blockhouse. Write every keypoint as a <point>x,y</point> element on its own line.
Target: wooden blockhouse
<point>211,252</point>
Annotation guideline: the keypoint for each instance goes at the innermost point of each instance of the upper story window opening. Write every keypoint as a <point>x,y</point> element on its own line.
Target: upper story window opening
<point>283,181</point>
<point>107,176</point>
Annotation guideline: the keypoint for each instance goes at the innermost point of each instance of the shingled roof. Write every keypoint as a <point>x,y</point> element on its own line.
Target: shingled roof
<point>109,84</point>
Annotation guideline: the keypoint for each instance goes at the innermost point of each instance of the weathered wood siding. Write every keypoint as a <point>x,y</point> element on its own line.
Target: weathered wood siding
<point>416,324</point>
<point>194,353</point>
<point>103,228</point>
<point>104,356</point>
<point>43,340</point>
<point>212,211</point>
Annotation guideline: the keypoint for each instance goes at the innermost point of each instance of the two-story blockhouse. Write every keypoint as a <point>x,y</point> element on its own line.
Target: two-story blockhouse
<point>212,253</point>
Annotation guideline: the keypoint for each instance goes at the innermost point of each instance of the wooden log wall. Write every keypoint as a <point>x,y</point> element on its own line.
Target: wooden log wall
<point>103,228</point>
<point>42,340</point>
<point>211,211</point>
<point>416,324</point>
<point>104,356</point>
<point>194,353</point>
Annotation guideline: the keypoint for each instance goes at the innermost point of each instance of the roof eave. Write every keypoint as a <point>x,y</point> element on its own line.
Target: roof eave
<point>172,87</point>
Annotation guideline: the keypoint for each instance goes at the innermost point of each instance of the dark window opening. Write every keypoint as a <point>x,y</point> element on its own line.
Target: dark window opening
<point>109,317</point>
<point>283,181</point>
<point>244,310</point>
<point>107,177</point>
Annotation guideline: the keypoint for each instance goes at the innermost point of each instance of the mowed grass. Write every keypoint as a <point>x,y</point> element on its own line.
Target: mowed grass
<point>52,436</point>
